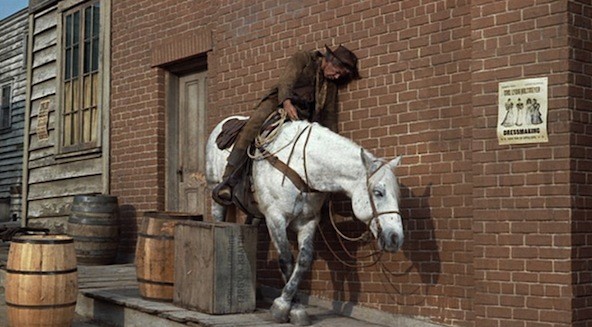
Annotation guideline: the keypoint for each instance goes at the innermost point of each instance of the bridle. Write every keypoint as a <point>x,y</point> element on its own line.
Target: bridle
<point>375,213</point>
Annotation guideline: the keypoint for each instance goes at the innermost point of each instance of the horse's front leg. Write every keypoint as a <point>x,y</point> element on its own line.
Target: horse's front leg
<point>287,301</point>
<point>277,231</point>
<point>218,212</point>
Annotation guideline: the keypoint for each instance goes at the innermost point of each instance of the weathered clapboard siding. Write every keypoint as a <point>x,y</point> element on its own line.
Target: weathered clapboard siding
<point>72,186</point>
<point>52,178</point>
<point>63,171</point>
<point>43,56</point>
<point>13,38</point>
<point>59,206</point>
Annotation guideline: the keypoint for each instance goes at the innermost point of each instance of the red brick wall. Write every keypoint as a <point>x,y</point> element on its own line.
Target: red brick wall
<point>580,93</point>
<point>488,227</point>
<point>522,197</point>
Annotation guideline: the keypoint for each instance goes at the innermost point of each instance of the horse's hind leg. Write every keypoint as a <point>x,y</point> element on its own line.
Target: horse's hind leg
<point>298,315</point>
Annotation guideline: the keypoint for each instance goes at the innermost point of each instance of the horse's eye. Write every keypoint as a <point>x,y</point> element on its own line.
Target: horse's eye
<point>378,193</point>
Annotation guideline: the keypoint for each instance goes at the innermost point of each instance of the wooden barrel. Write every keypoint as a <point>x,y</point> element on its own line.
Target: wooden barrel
<point>94,226</point>
<point>41,285</point>
<point>155,254</point>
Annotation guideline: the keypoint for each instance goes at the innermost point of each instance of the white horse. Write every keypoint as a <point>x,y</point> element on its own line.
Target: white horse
<point>329,163</point>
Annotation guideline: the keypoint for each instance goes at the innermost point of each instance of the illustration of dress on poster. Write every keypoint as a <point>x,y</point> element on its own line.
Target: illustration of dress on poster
<point>518,115</point>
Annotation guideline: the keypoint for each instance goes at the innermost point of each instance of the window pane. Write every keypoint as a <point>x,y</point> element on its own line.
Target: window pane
<point>95,37</point>
<point>68,64</point>
<point>75,61</point>
<point>87,91</point>
<point>68,129</point>
<point>87,23</point>
<point>76,28</point>
<point>5,117</point>
<point>68,30</point>
<point>95,55</point>
<point>95,83</point>
<point>94,124</point>
<point>86,125</point>
<point>87,37</point>
<point>87,56</point>
<point>76,112</point>
<point>5,96</point>
<point>67,97</point>
<point>75,43</point>
<point>96,20</point>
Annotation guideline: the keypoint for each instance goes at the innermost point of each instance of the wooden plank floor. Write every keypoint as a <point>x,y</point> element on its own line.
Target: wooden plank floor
<point>109,276</point>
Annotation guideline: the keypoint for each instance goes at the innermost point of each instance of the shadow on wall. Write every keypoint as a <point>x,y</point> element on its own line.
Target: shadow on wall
<point>352,263</point>
<point>404,277</point>
<point>420,249</point>
<point>128,233</point>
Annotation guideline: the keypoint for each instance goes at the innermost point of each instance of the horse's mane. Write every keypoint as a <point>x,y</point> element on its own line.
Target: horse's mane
<point>341,140</point>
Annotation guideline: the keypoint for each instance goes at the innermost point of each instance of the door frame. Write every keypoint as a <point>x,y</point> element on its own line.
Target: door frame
<point>178,175</point>
<point>172,74</point>
<point>171,179</point>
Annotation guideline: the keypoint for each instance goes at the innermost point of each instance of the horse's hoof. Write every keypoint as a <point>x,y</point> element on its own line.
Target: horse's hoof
<point>280,310</point>
<point>298,316</point>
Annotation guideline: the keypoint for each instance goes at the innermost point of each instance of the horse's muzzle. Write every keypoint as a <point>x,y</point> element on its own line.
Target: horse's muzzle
<point>390,241</point>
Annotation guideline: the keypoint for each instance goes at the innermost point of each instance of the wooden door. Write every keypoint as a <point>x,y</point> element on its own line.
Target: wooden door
<point>187,138</point>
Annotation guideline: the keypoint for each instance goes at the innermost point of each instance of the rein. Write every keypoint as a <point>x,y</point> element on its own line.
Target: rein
<point>378,254</point>
<point>302,185</point>
<point>284,168</point>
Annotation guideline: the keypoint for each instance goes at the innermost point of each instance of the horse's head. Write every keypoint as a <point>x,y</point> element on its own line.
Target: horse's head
<point>376,202</point>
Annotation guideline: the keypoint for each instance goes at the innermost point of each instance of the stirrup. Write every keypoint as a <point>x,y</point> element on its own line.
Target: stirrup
<point>216,194</point>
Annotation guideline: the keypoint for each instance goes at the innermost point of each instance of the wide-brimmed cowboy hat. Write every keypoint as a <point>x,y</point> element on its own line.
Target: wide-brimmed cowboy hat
<point>345,58</point>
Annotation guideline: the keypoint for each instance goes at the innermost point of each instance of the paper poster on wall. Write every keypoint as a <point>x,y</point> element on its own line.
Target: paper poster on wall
<point>42,121</point>
<point>522,111</point>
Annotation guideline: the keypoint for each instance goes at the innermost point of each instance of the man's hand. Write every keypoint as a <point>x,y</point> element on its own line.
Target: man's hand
<point>290,109</point>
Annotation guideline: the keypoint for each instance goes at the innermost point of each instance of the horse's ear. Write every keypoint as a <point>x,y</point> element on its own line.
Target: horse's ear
<point>366,159</point>
<point>395,162</point>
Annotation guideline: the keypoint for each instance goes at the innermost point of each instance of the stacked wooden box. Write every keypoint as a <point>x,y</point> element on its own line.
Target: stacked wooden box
<point>215,267</point>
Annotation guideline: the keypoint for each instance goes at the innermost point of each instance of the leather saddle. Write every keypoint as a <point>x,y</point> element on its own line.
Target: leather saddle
<point>243,191</point>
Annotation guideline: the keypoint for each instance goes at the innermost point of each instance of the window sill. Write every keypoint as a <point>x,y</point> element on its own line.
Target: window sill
<point>94,152</point>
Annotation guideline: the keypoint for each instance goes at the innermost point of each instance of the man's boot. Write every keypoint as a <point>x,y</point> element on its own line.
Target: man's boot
<point>222,193</point>
<point>236,162</point>
<point>225,192</point>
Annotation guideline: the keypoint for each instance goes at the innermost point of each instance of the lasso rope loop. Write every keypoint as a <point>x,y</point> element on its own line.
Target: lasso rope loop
<point>274,128</point>
<point>264,139</point>
<point>378,254</point>
<point>365,237</point>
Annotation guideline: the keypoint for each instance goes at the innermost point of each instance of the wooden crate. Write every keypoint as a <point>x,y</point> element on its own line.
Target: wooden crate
<point>215,267</point>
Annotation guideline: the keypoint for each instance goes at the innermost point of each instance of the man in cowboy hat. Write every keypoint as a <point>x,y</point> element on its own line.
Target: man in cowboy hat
<point>306,89</point>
